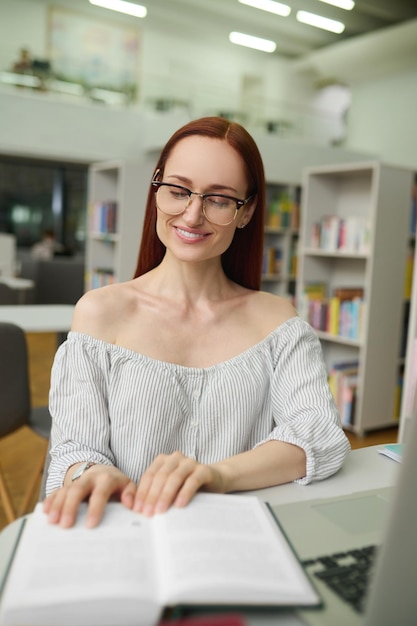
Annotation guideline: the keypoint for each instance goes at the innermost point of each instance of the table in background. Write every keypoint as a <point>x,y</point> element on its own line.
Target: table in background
<point>39,318</point>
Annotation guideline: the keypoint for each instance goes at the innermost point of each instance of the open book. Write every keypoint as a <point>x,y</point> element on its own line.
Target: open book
<point>219,551</point>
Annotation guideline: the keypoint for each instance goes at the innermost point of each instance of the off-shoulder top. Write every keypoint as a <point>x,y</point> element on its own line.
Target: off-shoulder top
<point>115,406</point>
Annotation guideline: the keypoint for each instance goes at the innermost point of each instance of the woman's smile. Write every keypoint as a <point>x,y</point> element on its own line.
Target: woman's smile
<point>190,235</point>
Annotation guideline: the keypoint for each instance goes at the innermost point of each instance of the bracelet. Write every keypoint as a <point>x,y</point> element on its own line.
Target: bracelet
<point>82,468</point>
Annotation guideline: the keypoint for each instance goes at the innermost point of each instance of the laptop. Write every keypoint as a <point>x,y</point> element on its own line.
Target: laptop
<point>361,546</point>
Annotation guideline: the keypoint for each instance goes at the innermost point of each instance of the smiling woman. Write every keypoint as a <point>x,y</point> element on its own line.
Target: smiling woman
<point>188,377</point>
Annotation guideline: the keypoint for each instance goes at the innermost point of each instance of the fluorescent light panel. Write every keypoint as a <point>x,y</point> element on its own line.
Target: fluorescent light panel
<point>269,5</point>
<point>347,5</point>
<point>265,45</point>
<point>320,22</point>
<point>137,10</point>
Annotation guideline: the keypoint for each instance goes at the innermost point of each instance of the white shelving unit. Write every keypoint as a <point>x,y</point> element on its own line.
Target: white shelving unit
<point>112,248</point>
<point>379,196</point>
<point>281,238</point>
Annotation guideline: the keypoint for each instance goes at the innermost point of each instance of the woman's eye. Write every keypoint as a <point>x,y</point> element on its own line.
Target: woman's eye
<point>218,202</point>
<point>178,194</point>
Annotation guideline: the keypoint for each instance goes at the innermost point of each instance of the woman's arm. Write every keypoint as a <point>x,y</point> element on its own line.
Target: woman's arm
<point>174,479</point>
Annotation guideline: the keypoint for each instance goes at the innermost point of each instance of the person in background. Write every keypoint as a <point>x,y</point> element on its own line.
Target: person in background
<point>45,249</point>
<point>189,377</point>
<point>23,65</point>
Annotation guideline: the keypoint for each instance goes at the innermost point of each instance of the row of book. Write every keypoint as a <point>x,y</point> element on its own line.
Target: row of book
<point>100,277</point>
<point>103,217</point>
<point>272,261</point>
<point>283,211</point>
<point>343,383</point>
<point>340,314</point>
<point>344,234</point>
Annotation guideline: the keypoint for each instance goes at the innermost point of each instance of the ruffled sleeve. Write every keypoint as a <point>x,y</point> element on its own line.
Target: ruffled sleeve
<point>79,407</point>
<point>303,407</point>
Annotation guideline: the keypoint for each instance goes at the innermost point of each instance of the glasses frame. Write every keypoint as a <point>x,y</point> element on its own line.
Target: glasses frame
<point>156,184</point>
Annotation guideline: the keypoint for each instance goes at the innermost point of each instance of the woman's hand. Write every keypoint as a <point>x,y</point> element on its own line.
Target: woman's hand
<point>172,479</point>
<point>98,484</point>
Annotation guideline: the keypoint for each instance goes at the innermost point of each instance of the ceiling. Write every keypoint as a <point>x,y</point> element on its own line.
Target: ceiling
<point>293,39</point>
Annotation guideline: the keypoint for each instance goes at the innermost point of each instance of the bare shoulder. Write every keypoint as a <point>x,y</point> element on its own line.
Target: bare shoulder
<point>99,312</point>
<point>273,310</point>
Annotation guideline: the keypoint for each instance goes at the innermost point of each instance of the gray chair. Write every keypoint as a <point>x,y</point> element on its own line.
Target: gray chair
<point>16,410</point>
<point>7,294</point>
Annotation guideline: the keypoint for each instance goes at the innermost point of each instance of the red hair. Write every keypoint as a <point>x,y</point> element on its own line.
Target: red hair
<point>242,261</point>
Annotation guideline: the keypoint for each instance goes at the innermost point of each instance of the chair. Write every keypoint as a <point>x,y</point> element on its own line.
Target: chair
<point>7,294</point>
<point>16,410</point>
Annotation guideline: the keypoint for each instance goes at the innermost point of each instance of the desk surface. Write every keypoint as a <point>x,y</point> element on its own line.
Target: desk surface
<point>364,469</point>
<point>39,318</point>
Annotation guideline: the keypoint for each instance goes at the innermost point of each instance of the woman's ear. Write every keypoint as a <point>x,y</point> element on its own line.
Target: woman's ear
<point>248,211</point>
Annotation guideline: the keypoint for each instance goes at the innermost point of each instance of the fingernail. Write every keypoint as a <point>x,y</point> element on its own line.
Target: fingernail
<point>53,517</point>
<point>66,521</point>
<point>148,509</point>
<point>180,502</point>
<point>161,507</point>
<point>138,507</point>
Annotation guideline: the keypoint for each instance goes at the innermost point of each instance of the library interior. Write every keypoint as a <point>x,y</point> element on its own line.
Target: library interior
<point>88,98</point>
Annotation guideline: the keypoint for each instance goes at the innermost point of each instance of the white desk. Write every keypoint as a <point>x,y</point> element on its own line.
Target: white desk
<point>364,469</point>
<point>39,318</point>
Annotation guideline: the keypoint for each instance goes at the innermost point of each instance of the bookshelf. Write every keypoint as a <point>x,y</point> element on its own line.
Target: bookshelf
<point>117,192</point>
<point>410,366</point>
<point>280,252</point>
<point>355,235</point>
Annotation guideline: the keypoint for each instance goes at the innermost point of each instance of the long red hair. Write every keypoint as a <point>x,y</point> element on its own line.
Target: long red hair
<point>242,261</point>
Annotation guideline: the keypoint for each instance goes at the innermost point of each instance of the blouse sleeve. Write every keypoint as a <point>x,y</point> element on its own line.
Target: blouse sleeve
<point>303,407</point>
<point>78,406</point>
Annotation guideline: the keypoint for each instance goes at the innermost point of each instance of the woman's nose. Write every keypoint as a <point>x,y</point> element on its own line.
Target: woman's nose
<point>193,213</point>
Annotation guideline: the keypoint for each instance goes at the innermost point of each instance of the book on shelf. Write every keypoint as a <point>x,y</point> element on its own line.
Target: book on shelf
<point>101,277</point>
<point>341,314</point>
<point>332,233</point>
<point>221,551</point>
<point>343,383</point>
<point>103,217</point>
<point>283,210</point>
<point>272,261</point>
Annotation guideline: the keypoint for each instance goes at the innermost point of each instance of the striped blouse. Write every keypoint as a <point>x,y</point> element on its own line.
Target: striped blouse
<point>114,406</point>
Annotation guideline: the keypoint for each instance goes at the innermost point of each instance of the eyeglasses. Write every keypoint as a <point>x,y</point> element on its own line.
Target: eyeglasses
<point>217,208</point>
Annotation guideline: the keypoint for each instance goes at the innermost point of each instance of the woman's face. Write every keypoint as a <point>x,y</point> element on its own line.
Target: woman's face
<point>202,165</point>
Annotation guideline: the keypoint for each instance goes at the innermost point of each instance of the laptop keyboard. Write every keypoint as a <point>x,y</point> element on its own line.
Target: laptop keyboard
<point>346,573</point>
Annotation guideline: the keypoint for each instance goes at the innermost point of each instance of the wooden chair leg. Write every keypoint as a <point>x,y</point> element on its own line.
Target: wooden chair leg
<point>34,483</point>
<point>6,500</point>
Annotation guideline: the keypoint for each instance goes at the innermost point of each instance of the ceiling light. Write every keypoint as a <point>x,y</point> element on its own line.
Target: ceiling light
<point>341,4</point>
<point>122,7</point>
<point>265,45</point>
<point>320,22</point>
<point>269,5</point>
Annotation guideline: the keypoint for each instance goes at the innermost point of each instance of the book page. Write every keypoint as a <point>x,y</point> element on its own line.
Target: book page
<point>228,549</point>
<point>83,576</point>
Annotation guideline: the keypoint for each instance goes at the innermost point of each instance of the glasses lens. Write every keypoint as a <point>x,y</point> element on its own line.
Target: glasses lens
<point>219,210</point>
<point>171,199</point>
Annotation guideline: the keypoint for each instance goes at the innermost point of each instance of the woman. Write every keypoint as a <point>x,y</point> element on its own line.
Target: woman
<point>189,377</point>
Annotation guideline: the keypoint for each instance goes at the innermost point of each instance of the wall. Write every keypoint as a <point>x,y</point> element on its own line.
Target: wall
<point>382,118</point>
<point>189,68</point>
